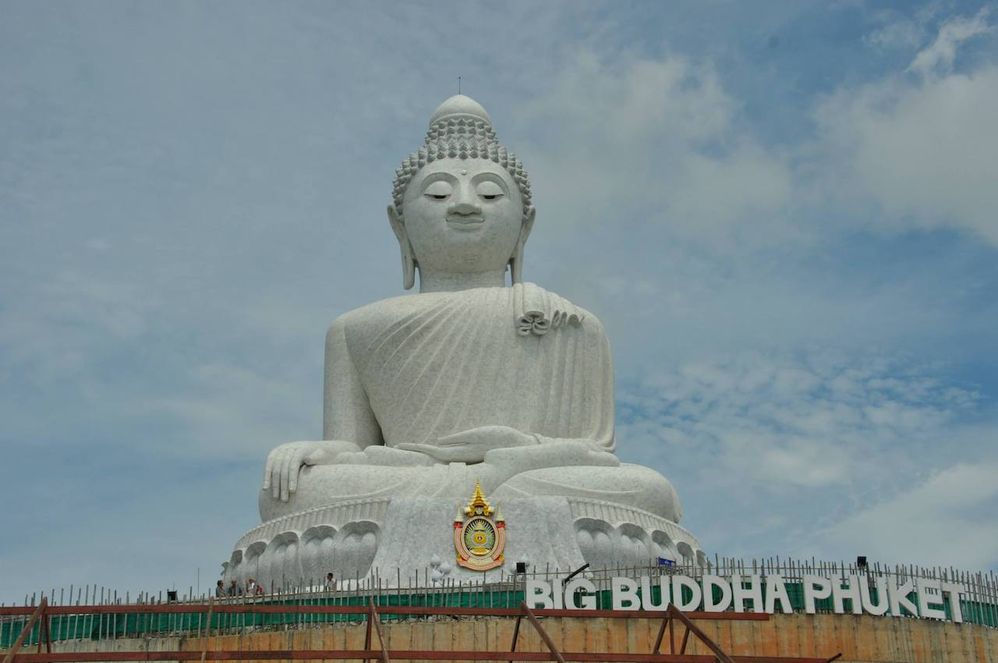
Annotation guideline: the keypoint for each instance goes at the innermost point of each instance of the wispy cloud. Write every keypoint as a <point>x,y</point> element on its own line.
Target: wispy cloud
<point>938,57</point>
<point>942,520</point>
<point>669,129</point>
<point>822,442</point>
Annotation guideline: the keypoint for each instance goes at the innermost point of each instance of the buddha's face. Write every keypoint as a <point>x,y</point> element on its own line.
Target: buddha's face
<point>462,215</point>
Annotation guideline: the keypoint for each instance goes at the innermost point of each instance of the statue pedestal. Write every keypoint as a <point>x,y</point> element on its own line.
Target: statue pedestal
<point>396,539</point>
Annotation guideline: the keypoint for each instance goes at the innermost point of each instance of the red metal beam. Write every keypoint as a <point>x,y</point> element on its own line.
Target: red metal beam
<point>721,655</point>
<point>686,639</point>
<point>408,655</point>
<point>368,627</point>
<point>516,636</point>
<point>544,634</point>
<point>381,636</point>
<point>657,647</point>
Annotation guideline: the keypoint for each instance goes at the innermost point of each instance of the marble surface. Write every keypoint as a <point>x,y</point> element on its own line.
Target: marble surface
<point>473,379</point>
<point>404,540</point>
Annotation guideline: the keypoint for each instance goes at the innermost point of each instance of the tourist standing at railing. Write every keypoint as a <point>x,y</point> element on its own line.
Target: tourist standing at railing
<point>219,590</point>
<point>330,585</point>
<point>253,588</point>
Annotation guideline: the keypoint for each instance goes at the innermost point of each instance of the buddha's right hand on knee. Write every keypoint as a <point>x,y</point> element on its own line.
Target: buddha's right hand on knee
<point>285,462</point>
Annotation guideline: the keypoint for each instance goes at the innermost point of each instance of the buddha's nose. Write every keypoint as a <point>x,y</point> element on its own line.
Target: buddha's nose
<point>465,207</point>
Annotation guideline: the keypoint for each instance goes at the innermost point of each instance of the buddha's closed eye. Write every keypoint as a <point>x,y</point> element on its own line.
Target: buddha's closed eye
<point>438,190</point>
<point>489,190</point>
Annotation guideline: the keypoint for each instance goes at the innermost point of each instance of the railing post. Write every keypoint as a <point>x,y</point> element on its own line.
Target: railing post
<point>207,630</point>
<point>45,632</point>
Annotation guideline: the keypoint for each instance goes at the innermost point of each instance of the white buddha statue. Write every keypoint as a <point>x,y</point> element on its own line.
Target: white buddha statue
<point>473,379</point>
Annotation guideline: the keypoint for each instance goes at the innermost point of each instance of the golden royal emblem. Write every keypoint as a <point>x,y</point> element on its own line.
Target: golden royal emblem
<point>479,539</point>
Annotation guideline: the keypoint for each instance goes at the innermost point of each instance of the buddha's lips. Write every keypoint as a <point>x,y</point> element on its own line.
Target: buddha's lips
<point>465,221</point>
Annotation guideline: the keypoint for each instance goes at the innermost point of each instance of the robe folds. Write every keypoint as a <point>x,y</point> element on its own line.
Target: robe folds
<point>416,368</point>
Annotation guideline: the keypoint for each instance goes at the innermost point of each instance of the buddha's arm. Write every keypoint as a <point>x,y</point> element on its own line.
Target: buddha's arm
<point>347,413</point>
<point>349,424</point>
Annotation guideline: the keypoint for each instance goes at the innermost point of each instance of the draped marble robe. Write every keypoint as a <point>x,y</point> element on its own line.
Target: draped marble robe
<point>433,364</point>
<point>417,368</point>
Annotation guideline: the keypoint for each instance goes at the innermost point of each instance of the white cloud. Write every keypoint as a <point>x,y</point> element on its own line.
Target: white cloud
<point>939,56</point>
<point>923,152</point>
<point>945,520</point>
<point>53,330</point>
<point>814,438</point>
<point>663,141</point>
<point>657,138</point>
<point>212,411</point>
<point>902,32</point>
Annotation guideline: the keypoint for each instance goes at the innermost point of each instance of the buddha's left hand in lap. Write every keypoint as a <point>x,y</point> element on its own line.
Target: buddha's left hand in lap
<point>551,452</point>
<point>470,446</point>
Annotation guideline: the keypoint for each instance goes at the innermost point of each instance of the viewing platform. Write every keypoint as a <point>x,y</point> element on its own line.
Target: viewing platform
<point>486,621</point>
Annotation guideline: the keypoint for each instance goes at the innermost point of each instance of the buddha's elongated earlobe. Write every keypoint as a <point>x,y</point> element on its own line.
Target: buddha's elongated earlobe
<point>516,260</point>
<point>408,259</point>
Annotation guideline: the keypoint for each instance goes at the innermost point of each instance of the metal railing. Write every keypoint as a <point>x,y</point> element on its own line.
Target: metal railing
<point>96,613</point>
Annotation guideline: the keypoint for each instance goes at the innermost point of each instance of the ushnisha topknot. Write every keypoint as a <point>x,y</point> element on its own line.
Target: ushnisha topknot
<point>460,129</point>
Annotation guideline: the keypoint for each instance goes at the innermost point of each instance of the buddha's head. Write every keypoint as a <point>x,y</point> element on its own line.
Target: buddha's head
<point>461,203</point>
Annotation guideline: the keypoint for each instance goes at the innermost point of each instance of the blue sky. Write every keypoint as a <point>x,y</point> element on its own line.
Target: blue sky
<point>785,213</point>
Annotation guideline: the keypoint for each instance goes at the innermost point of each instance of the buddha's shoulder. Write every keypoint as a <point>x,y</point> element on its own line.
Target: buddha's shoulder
<point>384,311</point>
<point>376,316</point>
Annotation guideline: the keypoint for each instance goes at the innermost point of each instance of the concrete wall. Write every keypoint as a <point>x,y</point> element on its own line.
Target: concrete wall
<point>861,639</point>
